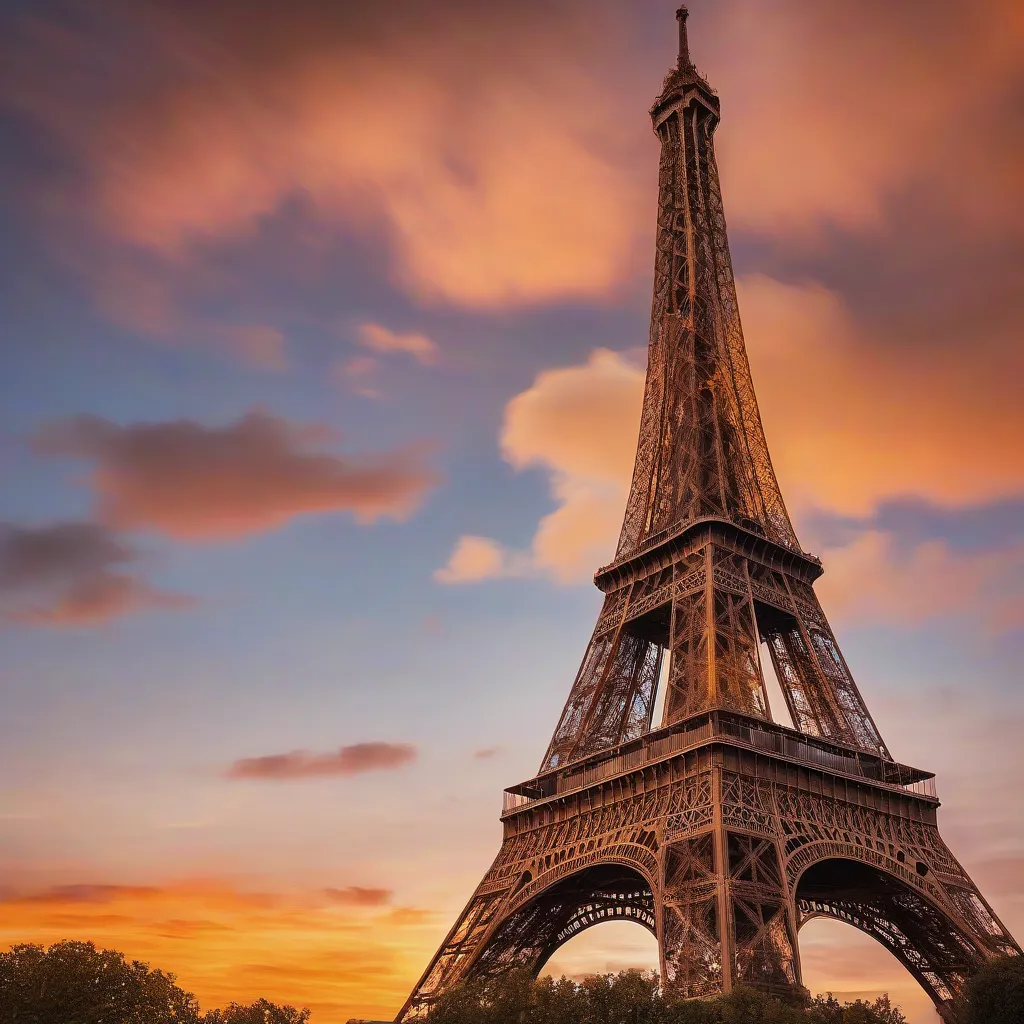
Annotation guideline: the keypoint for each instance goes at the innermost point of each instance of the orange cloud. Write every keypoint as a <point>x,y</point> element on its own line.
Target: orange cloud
<point>871,580</point>
<point>475,559</point>
<point>826,143</point>
<point>198,483</point>
<point>66,574</point>
<point>444,128</point>
<point>851,422</point>
<point>579,425</point>
<point>380,339</point>
<point>300,764</point>
<point>852,419</point>
<point>342,958</point>
<point>358,896</point>
<point>86,893</point>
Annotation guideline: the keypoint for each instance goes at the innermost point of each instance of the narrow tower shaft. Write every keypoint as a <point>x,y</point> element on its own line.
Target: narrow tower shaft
<point>702,450</point>
<point>708,565</point>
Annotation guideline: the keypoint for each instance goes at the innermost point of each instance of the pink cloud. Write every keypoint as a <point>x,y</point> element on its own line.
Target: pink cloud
<point>381,339</point>
<point>209,137</point>
<point>358,896</point>
<point>73,573</point>
<point>195,482</point>
<point>579,424</point>
<point>301,764</point>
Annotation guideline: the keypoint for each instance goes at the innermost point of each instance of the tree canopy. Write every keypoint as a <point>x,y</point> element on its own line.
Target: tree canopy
<point>635,998</point>
<point>260,1012</point>
<point>995,995</point>
<point>76,983</point>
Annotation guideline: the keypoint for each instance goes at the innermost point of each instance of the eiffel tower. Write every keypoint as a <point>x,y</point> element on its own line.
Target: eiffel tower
<point>714,827</point>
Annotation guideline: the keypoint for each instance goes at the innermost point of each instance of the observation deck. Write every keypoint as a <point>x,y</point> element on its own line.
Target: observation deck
<point>727,731</point>
<point>661,549</point>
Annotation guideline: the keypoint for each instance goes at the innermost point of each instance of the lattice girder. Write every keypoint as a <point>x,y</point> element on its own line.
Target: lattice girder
<point>701,449</point>
<point>715,828</point>
<point>722,853</point>
<point>706,606</point>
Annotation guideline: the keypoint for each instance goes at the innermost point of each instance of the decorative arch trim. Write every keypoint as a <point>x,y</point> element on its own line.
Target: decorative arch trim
<point>631,856</point>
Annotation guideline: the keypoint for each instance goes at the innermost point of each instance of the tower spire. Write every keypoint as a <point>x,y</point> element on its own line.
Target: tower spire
<point>684,46</point>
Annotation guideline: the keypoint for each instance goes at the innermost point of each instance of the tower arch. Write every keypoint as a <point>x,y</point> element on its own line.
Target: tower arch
<point>921,934</point>
<point>542,918</point>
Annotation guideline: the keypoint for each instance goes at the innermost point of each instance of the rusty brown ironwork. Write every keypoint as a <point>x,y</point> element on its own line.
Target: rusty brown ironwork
<point>719,830</point>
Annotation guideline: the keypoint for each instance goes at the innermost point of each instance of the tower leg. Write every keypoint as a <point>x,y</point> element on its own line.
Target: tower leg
<point>545,887</point>
<point>691,929</point>
<point>762,916</point>
<point>727,917</point>
<point>449,964</point>
<point>723,852</point>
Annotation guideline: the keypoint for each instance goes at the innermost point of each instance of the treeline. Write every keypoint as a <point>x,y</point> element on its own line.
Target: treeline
<point>632,997</point>
<point>76,983</point>
<point>995,995</point>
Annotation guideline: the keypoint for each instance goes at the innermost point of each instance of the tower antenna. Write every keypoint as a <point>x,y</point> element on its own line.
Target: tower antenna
<point>684,46</point>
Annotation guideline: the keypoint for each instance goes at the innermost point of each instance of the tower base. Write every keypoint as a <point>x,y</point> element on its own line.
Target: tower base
<point>723,836</point>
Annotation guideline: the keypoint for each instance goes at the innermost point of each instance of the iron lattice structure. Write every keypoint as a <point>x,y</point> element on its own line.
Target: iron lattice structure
<point>715,828</point>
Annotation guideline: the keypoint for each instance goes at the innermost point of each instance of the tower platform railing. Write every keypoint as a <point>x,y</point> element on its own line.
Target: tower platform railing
<point>736,730</point>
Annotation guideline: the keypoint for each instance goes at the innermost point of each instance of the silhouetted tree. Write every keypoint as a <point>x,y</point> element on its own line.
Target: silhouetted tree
<point>828,1010</point>
<point>635,998</point>
<point>260,1012</point>
<point>76,983</point>
<point>995,995</point>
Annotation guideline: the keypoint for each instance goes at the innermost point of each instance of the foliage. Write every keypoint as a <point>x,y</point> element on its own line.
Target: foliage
<point>260,1012</point>
<point>995,995</point>
<point>76,983</point>
<point>634,998</point>
<point>828,1010</point>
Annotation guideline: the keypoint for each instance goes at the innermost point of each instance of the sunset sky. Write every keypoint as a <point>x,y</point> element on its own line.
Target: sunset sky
<point>320,368</point>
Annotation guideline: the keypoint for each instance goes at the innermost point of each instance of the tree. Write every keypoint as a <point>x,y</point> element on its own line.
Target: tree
<point>747,1006</point>
<point>260,1012</point>
<point>635,998</point>
<point>995,995</point>
<point>76,983</point>
<point>630,997</point>
<point>509,998</point>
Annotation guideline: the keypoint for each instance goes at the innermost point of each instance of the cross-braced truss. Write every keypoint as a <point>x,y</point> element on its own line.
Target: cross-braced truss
<point>723,848</point>
<point>713,827</point>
